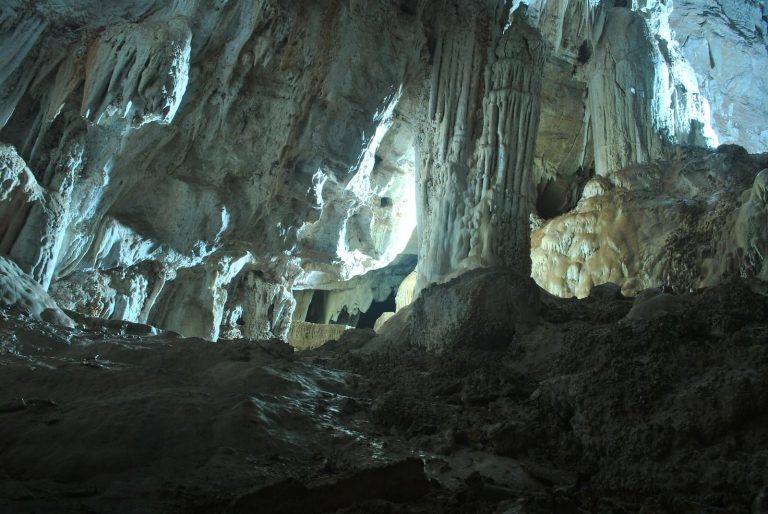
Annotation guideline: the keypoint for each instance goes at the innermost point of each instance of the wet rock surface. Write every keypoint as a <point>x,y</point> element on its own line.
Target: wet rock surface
<point>590,410</point>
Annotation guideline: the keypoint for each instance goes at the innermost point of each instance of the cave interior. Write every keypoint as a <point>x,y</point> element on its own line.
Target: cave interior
<point>383,256</point>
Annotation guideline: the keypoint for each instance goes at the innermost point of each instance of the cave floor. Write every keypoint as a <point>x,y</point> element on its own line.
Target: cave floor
<point>587,412</point>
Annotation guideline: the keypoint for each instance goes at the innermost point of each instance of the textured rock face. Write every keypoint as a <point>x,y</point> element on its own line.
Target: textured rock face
<point>18,291</point>
<point>306,336</point>
<point>725,42</point>
<point>482,309</point>
<point>475,181</point>
<point>605,86</point>
<point>187,165</point>
<point>191,165</point>
<point>690,222</point>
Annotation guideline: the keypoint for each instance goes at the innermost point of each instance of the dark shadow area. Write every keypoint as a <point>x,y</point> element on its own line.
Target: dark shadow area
<point>368,318</point>
<point>345,318</point>
<point>560,195</point>
<point>316,310</point>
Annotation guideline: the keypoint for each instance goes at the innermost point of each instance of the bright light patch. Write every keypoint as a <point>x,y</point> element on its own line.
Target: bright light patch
<point>318,181</point>
<point>404,223</point>
<point>402,219</point>
<point>360,184</point>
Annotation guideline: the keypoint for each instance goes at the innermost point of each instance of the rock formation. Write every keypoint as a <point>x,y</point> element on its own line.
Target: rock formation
<point>517,402</point>
<point>692,221</point>
<point>188,158</point>
<point>192,166</point>
<point>410,192</point>
<point>19,292</point>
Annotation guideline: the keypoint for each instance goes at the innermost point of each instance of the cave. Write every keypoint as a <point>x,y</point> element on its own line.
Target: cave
<point>317,312</point>
<point>384,256</point>
<point>316,309</point>
<point>368,318</point>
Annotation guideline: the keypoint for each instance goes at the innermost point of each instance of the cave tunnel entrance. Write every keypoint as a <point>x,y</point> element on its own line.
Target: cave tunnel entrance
<point>380,287</point>
<point>561,194</point>
<point>374,312</point>
<point>316,310</point>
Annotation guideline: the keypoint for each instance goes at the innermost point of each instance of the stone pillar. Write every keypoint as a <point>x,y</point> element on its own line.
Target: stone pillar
<point>474,177</point>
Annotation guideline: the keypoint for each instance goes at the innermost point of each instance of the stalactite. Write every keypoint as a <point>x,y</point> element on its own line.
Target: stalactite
<point>179,133</point>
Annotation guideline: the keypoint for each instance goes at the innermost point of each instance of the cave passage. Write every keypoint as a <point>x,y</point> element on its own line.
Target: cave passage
<point>316,313</point>
<point>316,310</point>
<point>345,318</point>
<point>374,312</point>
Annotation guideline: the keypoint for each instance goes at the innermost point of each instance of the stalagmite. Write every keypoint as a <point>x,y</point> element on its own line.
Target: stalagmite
<point>478,191</point>
<point>502,188</point>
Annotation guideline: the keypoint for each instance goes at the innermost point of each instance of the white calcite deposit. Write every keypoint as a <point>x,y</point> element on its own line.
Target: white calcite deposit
<point>687,223</point>
<point>208,168</point>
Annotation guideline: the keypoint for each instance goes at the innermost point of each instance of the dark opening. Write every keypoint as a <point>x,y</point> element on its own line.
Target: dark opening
<point>560,195</point>
<point>555,198</point>
<point>345,318</point>
<point>585,52</point>
<point>369,317</point>
<point>316,310</point>
<point>620,3</point>
<point>385,201</point>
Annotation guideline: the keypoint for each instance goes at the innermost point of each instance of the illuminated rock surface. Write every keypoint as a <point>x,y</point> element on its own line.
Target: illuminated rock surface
<point>175,160</point>
<point>190,166</point>
<point>690,222</point>
<point>20,293</point>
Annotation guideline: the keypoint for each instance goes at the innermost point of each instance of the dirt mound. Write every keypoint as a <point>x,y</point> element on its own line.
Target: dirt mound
<point>666,411</point>
<point>480,309</point>
<point>606,404</point>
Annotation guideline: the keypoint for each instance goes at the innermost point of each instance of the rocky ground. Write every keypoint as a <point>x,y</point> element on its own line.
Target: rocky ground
<point>607,404</point>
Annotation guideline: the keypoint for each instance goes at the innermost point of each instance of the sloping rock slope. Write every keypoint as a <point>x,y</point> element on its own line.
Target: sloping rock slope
<point>605,404</point>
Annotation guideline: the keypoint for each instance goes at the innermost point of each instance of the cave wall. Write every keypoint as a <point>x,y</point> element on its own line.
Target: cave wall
<point>190,164</point>
<point>725,43</point>
<point>162,154</point>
